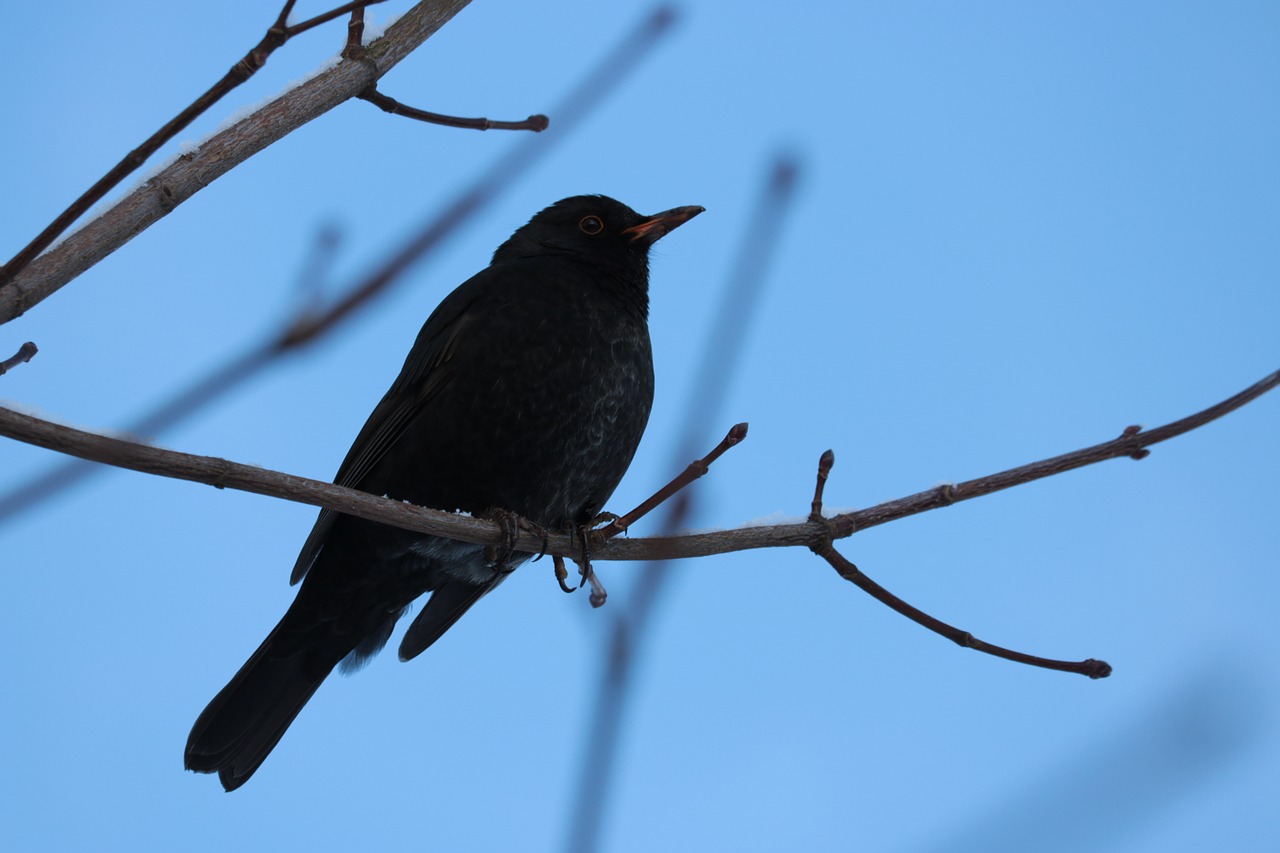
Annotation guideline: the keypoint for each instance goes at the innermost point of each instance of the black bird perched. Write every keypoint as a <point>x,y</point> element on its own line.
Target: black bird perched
<point>526,391</point>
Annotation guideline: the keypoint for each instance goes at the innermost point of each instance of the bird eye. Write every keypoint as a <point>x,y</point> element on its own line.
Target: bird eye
<point>591,225</point>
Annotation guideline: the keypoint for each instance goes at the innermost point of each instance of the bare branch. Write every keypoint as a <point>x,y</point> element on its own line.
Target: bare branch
<point>29,279</point>
<point>222,473</point>
<point>1132,443</point>
<point>24,354</point>
<point>248,65</point>
<point>807,534</point>
<point>847,570</point>
<point>537,123</point>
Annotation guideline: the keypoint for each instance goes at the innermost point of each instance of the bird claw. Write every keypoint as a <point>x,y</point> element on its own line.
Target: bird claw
<point>603,518</point>
<point>510,524</point>
<point>562,574</point>
<point>598,594</point>
<point>587,573</point>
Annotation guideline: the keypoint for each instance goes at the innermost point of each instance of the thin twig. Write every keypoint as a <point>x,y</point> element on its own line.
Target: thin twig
<point>696,469</point>
<point>847,570</point>
<point>1132,443</point>
<point>537,123</point>
<point>249,64</point>
<point>24,354</point>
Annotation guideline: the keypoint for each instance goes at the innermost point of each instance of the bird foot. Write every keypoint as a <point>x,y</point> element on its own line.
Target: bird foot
<point>588,574</point>
<point>511,524</point>
<point>583,532</point>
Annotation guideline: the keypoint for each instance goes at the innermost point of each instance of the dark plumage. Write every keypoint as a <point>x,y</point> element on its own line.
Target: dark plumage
<point>527,390</point>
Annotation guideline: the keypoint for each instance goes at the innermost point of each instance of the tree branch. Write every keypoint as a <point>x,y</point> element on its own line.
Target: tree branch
<point>222,473</point>
<point>35,281</point>
<point>537,122</point>
<point>847,570</point>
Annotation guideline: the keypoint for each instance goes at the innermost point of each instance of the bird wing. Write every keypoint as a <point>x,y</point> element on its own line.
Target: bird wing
<point>427,370</point>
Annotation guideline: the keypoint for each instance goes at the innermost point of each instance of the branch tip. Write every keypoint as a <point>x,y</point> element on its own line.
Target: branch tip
<point>1095,669</point>
<point>825,463</point>
<point>25,353</point>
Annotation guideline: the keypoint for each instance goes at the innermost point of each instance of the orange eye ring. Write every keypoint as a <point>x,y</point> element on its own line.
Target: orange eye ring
<point>591,225</point>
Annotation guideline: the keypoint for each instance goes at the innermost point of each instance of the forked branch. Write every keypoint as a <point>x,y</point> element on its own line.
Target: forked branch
<point>825,549</point>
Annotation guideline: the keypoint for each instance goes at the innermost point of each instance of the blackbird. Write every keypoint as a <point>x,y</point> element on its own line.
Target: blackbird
<point>526,392</point>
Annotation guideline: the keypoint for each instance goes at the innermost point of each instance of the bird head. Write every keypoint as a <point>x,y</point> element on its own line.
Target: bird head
<point>596,228</point>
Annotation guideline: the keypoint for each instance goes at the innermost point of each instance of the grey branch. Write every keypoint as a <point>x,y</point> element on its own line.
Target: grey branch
<point>191,172</point>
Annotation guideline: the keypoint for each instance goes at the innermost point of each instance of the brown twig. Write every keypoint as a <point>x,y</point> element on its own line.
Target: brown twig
<point>825,549</point>
<point>537,123</point>
<point>222,473</point>
<point>24,354</point>
<point>355,35</point>
<point>29,279</point>
<point>279,33</point>
<point>696,469</point>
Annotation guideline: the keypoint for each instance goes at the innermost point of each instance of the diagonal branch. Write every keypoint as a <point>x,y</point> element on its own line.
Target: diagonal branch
<point>28,279</point>
<point>279,33</point>
<point>846,524</point>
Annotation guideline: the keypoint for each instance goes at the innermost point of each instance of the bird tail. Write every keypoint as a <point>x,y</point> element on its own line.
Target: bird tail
<point>244,722</point>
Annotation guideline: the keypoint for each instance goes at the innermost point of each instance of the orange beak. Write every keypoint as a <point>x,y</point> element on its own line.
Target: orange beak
<point>660,224</point>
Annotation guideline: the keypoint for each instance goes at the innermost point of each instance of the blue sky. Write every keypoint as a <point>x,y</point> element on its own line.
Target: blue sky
<point>1018,229</point>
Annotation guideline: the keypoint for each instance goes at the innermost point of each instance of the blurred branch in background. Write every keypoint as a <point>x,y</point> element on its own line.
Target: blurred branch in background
<point>1132,777</point>
<point>26,279</point>
<point>314,323</point>
<point>630,622</point>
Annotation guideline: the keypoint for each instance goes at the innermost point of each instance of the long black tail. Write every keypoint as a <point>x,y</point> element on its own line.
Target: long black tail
<point>244,722</point>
